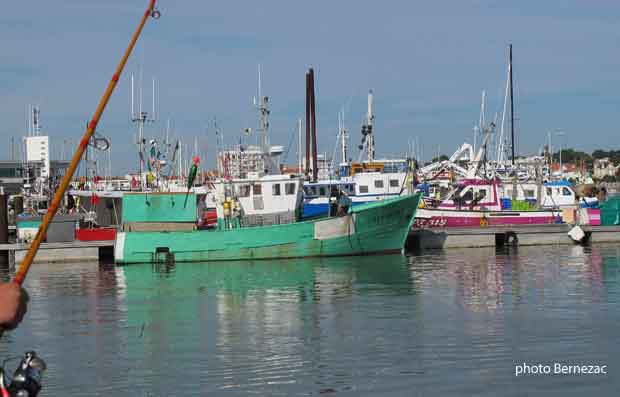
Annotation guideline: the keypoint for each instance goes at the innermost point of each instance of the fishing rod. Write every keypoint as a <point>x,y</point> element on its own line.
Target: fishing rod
<point>21,273</point>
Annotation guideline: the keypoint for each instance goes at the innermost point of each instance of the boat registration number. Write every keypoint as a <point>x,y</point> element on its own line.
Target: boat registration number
<point>432,222</point>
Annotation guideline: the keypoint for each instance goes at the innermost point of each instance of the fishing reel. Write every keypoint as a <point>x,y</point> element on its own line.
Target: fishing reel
<point>27,377</point>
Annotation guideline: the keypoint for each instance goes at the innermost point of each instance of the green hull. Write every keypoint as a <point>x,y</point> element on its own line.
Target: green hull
<point>371,228</point>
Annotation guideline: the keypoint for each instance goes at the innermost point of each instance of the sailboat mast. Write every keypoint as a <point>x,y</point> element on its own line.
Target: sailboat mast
<point>512,109</point>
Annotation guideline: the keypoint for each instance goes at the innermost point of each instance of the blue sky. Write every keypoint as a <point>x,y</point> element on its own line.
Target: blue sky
<point>427,63</point>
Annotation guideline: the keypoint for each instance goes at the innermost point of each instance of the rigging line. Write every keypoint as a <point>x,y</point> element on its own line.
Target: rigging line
<point>290,143</point>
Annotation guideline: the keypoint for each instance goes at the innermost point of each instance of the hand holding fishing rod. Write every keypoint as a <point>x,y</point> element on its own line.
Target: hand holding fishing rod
<point>13,305</point>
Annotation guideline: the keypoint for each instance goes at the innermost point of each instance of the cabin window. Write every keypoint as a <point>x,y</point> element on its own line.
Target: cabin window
<point>549,193</point>
<point>379,184</point>
<point>322,191</point>
<point>244,191</point>
<point>482,193</point>
<point>529,193</point>
<point>363,189</point>
<point>469,195</point>
<point>275,189</point>
<point>257,190</point>
<point>351,189</point>
<point>308,191</point>
<point>394,183</point>
<point>289,188</point>
<point>566,192</point>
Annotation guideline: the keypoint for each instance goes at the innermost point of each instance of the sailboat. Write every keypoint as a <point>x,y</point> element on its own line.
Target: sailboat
<point>477,201</point>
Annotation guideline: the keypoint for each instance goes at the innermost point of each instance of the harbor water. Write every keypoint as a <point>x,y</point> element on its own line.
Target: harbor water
<point>454,322</point>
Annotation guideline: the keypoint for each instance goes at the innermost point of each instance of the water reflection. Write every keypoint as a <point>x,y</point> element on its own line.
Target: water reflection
<point>451,322</point>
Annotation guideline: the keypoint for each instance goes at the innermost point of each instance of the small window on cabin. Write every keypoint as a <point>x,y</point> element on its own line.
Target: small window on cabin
<point>529,193</point>
<point>379,184</point>
<point>289,188</point>
<point>363,189</point>
<point>275,189</point>
<point>244,191</point>
<point>549,192</point>
<point>308,191</point>
<point>469,195</point>
<point>351,189</point>
<point>393,182</point>
<point>257,190</point>
<point>566,191</point>
<point>322,191</point>
<point>482,193</point>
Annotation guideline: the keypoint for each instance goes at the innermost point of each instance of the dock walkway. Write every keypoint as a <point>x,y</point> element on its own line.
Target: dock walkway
<point>490,236</point>
<point>62,252</point>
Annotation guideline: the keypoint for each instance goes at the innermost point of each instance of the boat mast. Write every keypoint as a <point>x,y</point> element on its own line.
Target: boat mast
<point>141,118</point>
<point>315,163</point>
<point>299,152</point>
<point>370,138</point>
<point>344,137</point>
<point>481,119</point>
<point>512,108</point>
<point>500,143</point>
<point>263,108</point>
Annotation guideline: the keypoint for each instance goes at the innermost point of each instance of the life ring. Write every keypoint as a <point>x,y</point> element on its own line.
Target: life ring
<point>484,222</point>
<point>511,239</point>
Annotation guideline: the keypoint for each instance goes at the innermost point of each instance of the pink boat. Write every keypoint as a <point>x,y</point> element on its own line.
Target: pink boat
<point>476,203</point>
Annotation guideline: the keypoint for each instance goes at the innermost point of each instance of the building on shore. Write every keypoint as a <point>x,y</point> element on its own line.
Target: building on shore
<point>17,175</point>
<point>604,167</point>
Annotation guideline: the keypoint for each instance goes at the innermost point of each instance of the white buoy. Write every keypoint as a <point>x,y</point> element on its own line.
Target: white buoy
<point>577,234</point>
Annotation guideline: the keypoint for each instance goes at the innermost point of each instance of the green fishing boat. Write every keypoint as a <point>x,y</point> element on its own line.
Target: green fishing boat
<point>373,228</point>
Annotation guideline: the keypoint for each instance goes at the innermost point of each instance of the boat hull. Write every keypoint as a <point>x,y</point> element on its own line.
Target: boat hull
<point>372,228</point>
<point>438,218</point>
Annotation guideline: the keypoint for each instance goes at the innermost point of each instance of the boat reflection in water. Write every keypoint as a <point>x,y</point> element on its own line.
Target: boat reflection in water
<point>445,323</point>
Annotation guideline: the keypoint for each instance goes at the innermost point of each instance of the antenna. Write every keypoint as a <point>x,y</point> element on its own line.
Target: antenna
<point>133,114</point>
<point>140,77</point>
<point>153,100</point>
<point>259,84</point>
